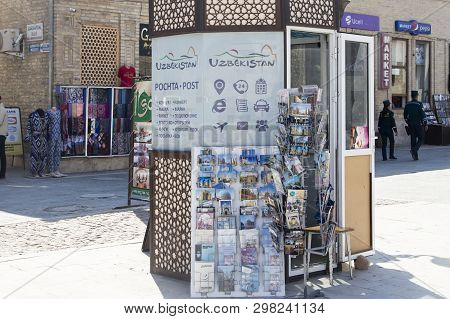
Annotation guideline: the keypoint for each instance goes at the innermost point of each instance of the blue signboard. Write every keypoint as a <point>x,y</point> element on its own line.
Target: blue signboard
<point>413,27</point>
<point>360,21</point>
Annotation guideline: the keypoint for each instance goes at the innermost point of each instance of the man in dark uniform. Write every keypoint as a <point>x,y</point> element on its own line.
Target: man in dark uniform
<point>415,118</point>
<point>386,128</point>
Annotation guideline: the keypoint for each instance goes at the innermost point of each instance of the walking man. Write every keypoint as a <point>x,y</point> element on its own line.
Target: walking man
<point>3,134</point>
<point>415,118</point>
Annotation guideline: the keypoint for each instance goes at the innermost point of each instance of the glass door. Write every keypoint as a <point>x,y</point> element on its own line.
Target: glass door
<point>356,139</point>
<point>311,62</point>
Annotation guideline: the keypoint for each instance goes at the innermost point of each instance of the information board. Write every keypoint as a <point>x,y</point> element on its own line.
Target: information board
<point>142,127</point>
<point>216,89</point>
<point>14,141</point>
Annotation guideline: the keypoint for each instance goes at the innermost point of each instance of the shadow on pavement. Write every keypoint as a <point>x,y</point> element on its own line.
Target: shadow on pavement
<point>432,158</point>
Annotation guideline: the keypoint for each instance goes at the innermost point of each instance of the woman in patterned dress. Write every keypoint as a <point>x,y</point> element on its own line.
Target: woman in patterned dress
<point>37,134</point>
<point>54,142</point>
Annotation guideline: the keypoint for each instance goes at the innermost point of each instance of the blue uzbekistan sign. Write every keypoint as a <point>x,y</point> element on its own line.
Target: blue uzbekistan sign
<point>413,27</point>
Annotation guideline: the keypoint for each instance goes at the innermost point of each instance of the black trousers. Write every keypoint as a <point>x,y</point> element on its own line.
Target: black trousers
<point>416,137</point>
<point>384,140</point>
<point>2,156</point>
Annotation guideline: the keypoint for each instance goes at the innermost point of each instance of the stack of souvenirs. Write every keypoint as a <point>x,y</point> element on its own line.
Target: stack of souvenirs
<point>233,253</point>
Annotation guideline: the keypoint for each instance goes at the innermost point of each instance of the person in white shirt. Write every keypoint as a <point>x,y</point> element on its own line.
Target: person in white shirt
<point>3,134</point>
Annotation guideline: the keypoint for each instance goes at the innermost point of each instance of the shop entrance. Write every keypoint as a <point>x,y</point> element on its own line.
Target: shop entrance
<point>356,139</point>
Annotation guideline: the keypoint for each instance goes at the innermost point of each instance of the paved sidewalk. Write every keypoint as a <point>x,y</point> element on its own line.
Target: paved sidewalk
<point>412,259</point>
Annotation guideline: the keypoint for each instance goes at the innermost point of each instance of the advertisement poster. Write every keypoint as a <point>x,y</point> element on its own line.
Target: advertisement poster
<point>359,138</point>
<point>142,126</point>
<point>14,143</point>
<point>216,89</point>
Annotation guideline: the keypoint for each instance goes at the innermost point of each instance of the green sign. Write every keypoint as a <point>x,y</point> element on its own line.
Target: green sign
<point>142,127</point>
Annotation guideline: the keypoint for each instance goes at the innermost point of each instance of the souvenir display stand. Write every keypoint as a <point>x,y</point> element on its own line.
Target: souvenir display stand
<point>438,120</point>
<point>96,121</point>
<point>239,165</point>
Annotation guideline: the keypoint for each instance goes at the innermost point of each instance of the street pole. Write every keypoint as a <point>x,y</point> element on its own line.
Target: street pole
<point>51,37</point>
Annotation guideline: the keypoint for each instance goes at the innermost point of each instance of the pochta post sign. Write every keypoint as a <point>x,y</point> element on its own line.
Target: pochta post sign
<point>14,143</point>
<point>385,62</point>
<point>142,126</point>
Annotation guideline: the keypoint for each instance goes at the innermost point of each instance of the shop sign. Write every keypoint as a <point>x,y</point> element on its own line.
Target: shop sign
<point>35,48</point>
<point>360,21</point>
<point>385,62</point>
<point>35,32</point>
<point>14,144</point>
<point>145,43</point>
<point>413,27</point>
<point>142,144</point>
<point>216,89</point>
<point>44,48</point>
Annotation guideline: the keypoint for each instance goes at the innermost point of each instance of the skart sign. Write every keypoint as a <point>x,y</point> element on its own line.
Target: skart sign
<point>385,62</point>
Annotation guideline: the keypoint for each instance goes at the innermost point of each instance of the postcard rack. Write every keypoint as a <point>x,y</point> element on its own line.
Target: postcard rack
<point>233,254</point>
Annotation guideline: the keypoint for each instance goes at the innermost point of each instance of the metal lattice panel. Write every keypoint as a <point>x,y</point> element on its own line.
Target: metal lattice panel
<point>318,13</point>
<point>227,13</point>
<point>99,55</point>
<point>170,206</point>
<point>172,15</point>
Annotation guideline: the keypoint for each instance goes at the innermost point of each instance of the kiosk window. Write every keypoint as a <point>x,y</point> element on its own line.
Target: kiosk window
<point>357,95</point>
<point>423,70</point>
<point>399,72</point>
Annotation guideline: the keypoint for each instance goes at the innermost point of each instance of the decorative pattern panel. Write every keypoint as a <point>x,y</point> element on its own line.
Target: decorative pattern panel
<point>317,13</point>
<point>99,55</point>
<point>170,219</point>
<point>172,15</point>
<point>228,13</point>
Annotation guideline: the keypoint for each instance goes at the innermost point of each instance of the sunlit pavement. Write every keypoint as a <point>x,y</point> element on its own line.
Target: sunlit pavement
<point>81,248</point>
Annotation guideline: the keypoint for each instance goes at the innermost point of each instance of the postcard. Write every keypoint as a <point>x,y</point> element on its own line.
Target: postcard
<point>249,210</point>
<point>272,257</point>
<point>249,203</point>
<point>204,236</point>
<point>205,220</point>
<point>294,243</point>
<point>249,238</point>
<point>248,179</point>
<point>249,158</point>
<point>248,221</point>
<point>227,177</point>
<point>300,139</point>
<point>293,221</point>
<point>226,278</point>
<point>204,252</point>
<point>300,109</point>
<point>227,255</point>
<point>266,176</point>
<point>267,211</point>
<point>225,193</point>
<point>266,239</point>
<point>226,207</point>
<point>227,159</point>
<point>272,278</point>
<point>249,256</point>
<point>294,165</point>
<point>250,279</point>
<point>207,160</point>
<point>226,222</point>
<point>204,277</point>
<point>205,181</point>
<point>249,194</point>
<point>205,194</point>
<point>300,130</point>
<point>292,181</point>
<point>206,168</point>
<point>299,150</point>
<point>226,237</point>
<point>266,191</point>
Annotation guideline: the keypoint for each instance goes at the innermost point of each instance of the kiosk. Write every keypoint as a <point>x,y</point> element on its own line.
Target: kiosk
<point>218,67</point>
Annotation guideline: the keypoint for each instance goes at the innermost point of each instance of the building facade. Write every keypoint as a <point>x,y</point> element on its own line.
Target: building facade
<point>418,61</point>
<point>92,39</point>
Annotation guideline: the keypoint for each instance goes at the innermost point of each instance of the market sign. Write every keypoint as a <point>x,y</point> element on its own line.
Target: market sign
<point>145,43</point>
<point>14,143</point>
<point>413,27</point>
<point>360,21</point>
<point>385,62</point>
<point>35,32</point>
